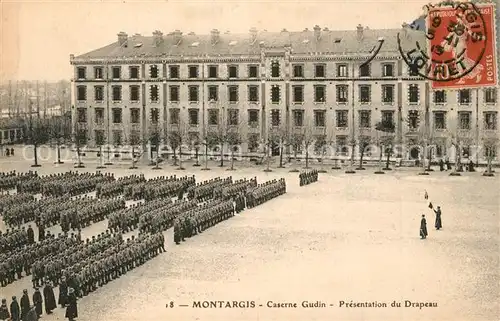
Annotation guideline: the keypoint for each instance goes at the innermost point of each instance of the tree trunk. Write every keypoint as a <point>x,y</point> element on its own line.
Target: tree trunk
<point>100,155</point>
<point>58,153</point>
<point>79,157</point>
<point>232,159</point>
<point>174,155</point>
<point>361,159</point>
<point>281,156</point>
<point>206,156</point>
<point>489,159</point>
<point>380,157</point>
<point>180,156</point>
<point>222,155</point>
<point>133,158</point>
<point>307,156</point>
<point>36,153</point>
<point>430,158</point>
<point>197,156</point>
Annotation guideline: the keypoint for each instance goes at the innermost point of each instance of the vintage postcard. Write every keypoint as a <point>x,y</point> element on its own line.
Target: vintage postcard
<point>249,160</point>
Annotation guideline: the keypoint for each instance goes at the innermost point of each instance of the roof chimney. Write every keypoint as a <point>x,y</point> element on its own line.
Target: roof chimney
<point>317,32</point>
<point>214,36</point>
<point>253,35</point>
<point>177,36</point>
<point>122,38</point>
<point>359,32</point>
<point>158,38</point>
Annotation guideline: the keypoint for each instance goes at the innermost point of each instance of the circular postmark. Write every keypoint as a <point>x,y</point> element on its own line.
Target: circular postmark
<point>453,44</point>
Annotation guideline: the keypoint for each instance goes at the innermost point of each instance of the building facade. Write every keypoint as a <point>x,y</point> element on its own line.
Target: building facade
<point>286,87</point>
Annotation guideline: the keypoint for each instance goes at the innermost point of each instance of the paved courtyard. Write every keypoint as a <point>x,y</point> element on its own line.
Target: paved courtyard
<point>345,238</point>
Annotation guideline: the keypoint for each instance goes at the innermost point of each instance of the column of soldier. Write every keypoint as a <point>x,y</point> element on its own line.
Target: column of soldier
<point>159,187</point>
<point>308,177</point>
<point>189,217</point>
<point>117,187</point>
<point>79,268</point>
<point>9,180</point>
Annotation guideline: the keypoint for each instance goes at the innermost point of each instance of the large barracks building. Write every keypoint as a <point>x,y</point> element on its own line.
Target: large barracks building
<point>263,85</point>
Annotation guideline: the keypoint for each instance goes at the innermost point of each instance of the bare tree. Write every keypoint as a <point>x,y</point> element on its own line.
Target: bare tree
<point>80,140</point>
<point>490,145</point>
<point>385,142</point>
<point>363,142</point>
<point>154,140</point>
<point>196,143</point>
<point>233,140</point>
<point>176,137</point>
<point>60,133</point>
<point>296,142</point>
<point>37,134</point>
<point>321,148</point>
<point>100,140</point>
<point>279,137</point>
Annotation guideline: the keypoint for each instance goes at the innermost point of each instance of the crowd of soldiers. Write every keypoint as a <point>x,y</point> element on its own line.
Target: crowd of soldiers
<point>198,219</point>
<point>160,187</point>
<point>110,263</point>
<point>265,192</point>
<point>8,207</point>
<point>35,183</point>
<point>27,211</point>
<point>205,190</point>
<point>117,187</point>
<point>13,264</point>
<point>308,177</point>
<point>163,218</point>
<point>13,239</point>
<point>127,219</point>
<point>78,184</point>
<point>239,187</point>
<point>9,180</point>
<point>88,211</point>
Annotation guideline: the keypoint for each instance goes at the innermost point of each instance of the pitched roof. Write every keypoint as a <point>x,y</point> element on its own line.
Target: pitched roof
<point>302,42</point>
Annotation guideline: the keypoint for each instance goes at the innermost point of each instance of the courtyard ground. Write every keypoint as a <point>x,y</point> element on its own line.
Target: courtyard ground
<point>345,238</point>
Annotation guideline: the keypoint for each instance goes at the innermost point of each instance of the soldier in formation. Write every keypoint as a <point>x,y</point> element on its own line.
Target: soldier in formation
<point>161,219</point>
<point>9,180</point>
<point>265,192</point>
<point>232,190</point>
<point>205,190</point>
<point>308,177</point>
<point>116,188</point>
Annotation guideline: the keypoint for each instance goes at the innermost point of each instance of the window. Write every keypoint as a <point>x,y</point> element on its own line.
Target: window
<point>117,116</point>
<point>275,117</point>
<point>117,137</point>
<point>341,118</point>
<point>413,119</point>
<point>116,72</point>
<point>232,117</point>
<point>298,71</point>
<point>213,117</point>
<point>135,115</point>
<point>490,120</point>
<point>490,95</point>
<point>232,71</point>
<point>440,97</point>
<point>365,94</point>
<point>319,93</point>
<point>81,115</point>
<point>341,142</point>
<point>365,70</point>
<point>342,93</point>
<point>98,93</point>
<point>155,115</point>
<point>81,93</point>
<point>213,93</point>
<point>464,119</point>
<point>298,94</point>
<point>134,72</point>
<point>153,71</point>
<point>81,72</point>
<point>319,70</point>
<point>193,94</point>
<point>388,70</point>
<point>275,69</point>
<point>212,72</point>
<point>99,116</point>
<point>253,118</point>
<point>134,93</point>
<point>319,118</point>
<point>174,116</point>
<point>193,117</point>
<point>233,94</point>
<point>464,97</point>
<point>342,70</point>
<point>413,71</point>
<point>253,94</point>
<point>193,71</point>
<point>388,94</point>
<point>154,93</point>
<point>298,118</point>
<point>99,137</point>
<point>253,71</point>
<point>275,94</point>
<point>98,73</point>
<point>174,72</point>
<point>439,120</point>
<point>365,119</point>
<point>413,94</point>
<point>174,93</point>
<point>388,118</point>
<point>117,93</point>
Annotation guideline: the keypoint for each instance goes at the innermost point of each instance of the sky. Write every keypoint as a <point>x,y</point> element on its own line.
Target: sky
<point>37,37</point>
